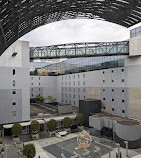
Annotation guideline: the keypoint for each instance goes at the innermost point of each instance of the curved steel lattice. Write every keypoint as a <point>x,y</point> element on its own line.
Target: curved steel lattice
<point>17,17</point>
<point>80,50</point>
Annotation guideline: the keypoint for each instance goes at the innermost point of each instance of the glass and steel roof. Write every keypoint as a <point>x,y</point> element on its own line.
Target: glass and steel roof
<point>19,17</point>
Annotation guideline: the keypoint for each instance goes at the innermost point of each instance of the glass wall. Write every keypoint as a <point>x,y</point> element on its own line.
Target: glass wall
<point>76,65</point>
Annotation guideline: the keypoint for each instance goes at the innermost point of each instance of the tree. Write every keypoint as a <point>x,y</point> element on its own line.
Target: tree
<point>51,99</point>
<point>35,126</point>
<point>80,119</point>
<point>41,98</point>
<point>52,125</point>
<point>16,129</point>
<point>67,122</point>
<point>29,150</point>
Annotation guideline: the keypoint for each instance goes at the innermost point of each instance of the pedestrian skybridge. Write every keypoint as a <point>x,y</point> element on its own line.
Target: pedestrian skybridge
<point>74,50</point>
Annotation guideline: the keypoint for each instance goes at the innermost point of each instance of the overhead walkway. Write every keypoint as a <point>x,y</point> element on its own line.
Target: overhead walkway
<point>73,50</point>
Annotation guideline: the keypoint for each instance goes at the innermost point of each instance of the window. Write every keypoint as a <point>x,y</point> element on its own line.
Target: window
<point>78,83</point>
<point>122,70</point>
<point>70,95</point>
<point>84,90</point>
<point>74,89</point>
<point>112,71</point>
<point>74,83</point>
<point>14,103</point>
<point>123,101</point>
<point>112,99</point>
<point>66,77</point>
<point>66,95</point>
<point>14,83</point>
<point>32,95</point>
<point>62,94</point>
<point>39,84</point>
<point>112,80</point>
<point>74,76</point>
<point>14,91</point>
<point>32,84</point>
<point>113,109</point>
<point>122,80</point>
<point>103,72</point>
<point>39,78</point>
<point>103,90</point>
<point>62,100</point>
<point>69,83</point>
<point>103,98</point>
<point>112,90</point>
<point>78,76</point>
<point>103,81</point>
<point>31,78</point>
<point>62,83</point>
<point>74,102</point>
<point>83,82</point>
<point>83,75</point>
<point>104,107</point>
<point>39,89</point>
<point>69,76</point>
<point>14,72</point>
<point>78,96</point>
<point>14,113</point>
<point>62,77</point>
<point>74,96</point>
<point>32,89</point>
<point>123,111</point>
<point>84,96</point>
<point>78,89</point>
<point>122,90</point>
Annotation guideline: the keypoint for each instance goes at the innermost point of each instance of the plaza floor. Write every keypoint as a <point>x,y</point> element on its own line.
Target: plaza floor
<point>52,148</point>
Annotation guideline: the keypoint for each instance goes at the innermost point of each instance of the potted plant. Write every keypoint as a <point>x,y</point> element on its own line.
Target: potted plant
<point>51,124</point>
<point>67,123</point>
<point>79,120</point>
<point>2,152</point>
<point>29,150</point>
<point>16,131</point>
<point>35,128</point>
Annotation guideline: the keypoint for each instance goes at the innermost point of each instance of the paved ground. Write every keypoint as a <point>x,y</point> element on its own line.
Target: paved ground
<point>11,151</point>
<point>52,148</point>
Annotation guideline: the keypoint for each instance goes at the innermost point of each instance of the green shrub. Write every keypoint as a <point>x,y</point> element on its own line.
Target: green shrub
<point>29,150</point>
<point>41,98</point>
<point>67,122</point>
<point>2,150</point>
<point>35,126</point>
<point>16,129</point>
<point>80,119</point>
<point>51,99</point>
<point>52,125</point>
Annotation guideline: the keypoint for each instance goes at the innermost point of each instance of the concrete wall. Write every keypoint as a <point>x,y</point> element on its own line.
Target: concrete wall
<point>43,85</point>
<point>124,132</point>
<point>128,132</point>
<point>135,46</point>
<point>10,113</point>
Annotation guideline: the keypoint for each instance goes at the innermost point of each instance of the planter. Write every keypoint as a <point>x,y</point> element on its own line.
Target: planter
<point>67,130</point>
<point>35,136</point>
<point>81,128</point>
<point>16,139</point>
<point>52,134</point>
<point>19,145</point>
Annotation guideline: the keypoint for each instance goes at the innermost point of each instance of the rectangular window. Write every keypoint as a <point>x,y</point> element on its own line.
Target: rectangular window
<point>39,89</point>
<point>32,84</point>
<point>14,83</point>
<point>113,109</point>
<point>84,90</point>
<point>122,80</point>
<point>32,95</point>
<point>78,83</point>
<point>103,81</point>
<point>78,76</point>
<point>83,75</point>
<point>83,82</point>
<point>39,78</point>
<point>39,84</point>
<point>14,91</point>
<point>123,111</point>
<point>32,89</point>
<point>31,78</point>
<point>14,72</point>
<point>14,103</point>
<point>14,113</point>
